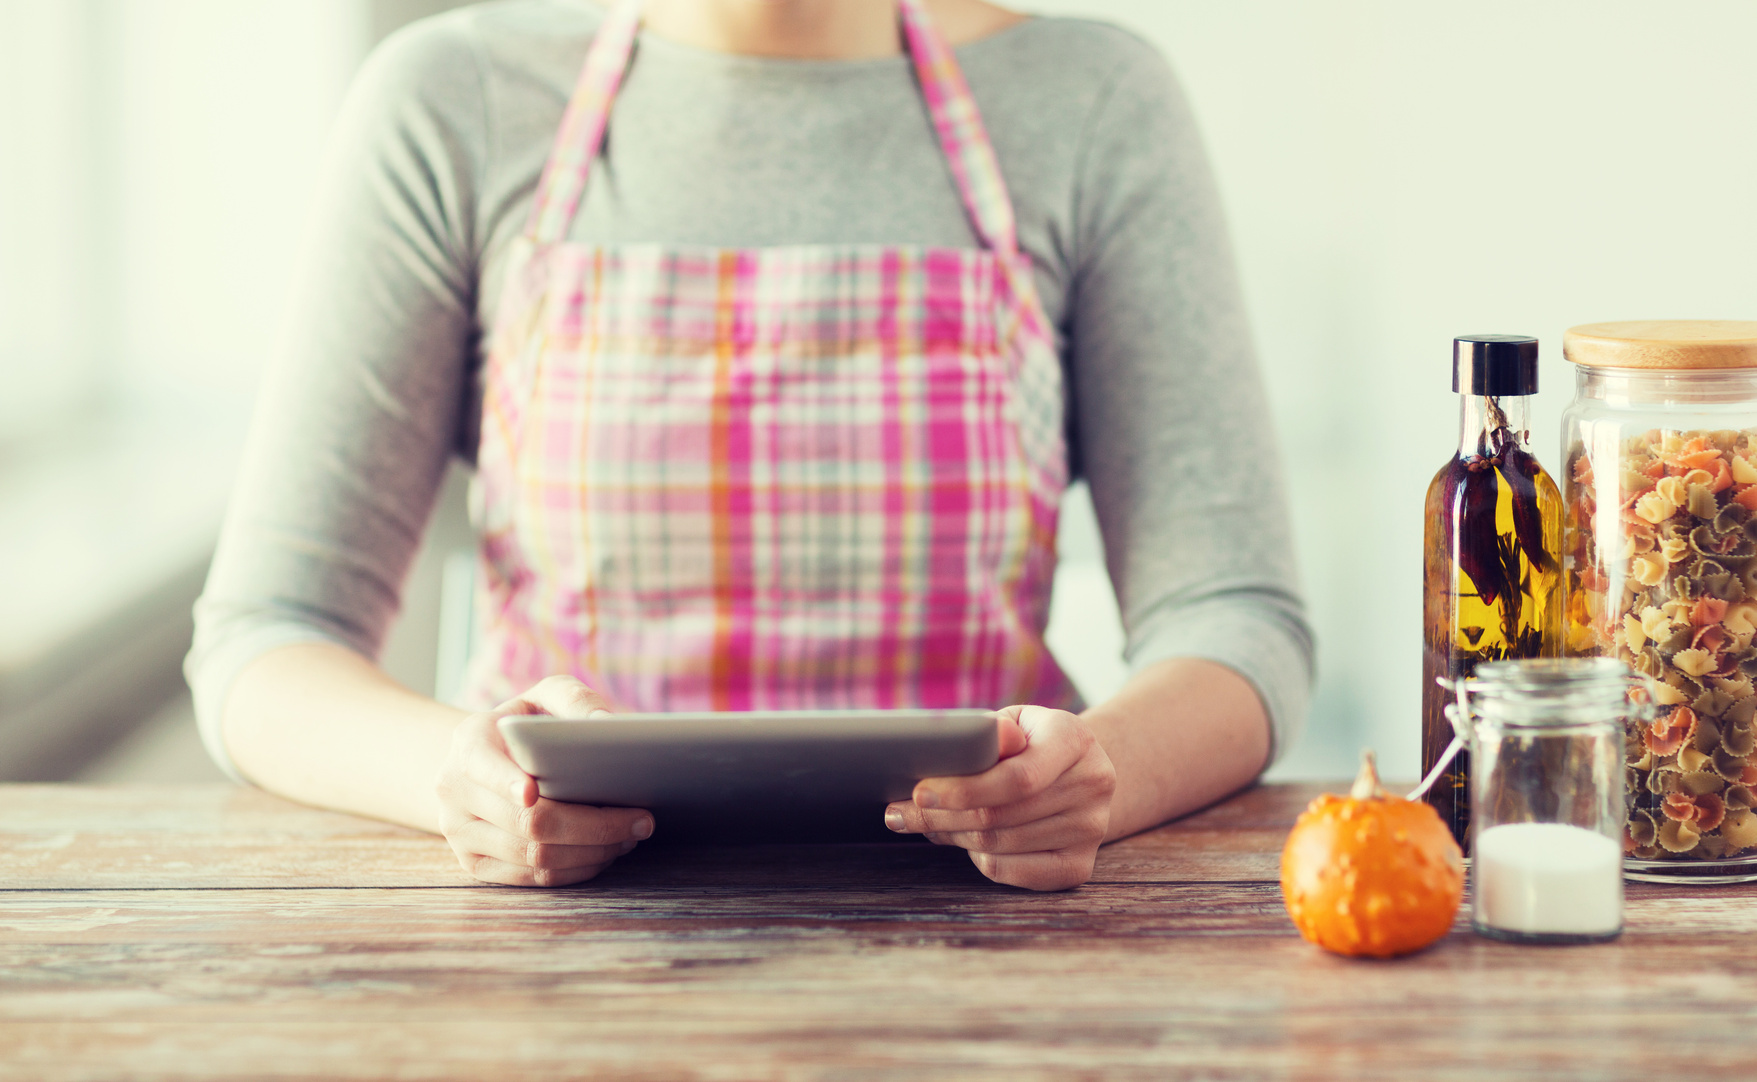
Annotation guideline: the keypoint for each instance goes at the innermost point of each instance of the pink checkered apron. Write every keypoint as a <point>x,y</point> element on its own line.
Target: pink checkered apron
<point>811,477</point>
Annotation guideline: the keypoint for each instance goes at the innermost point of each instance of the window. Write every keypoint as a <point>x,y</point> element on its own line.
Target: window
<point>156,162</point>
<point>155,165</point>
<point>49,165</point>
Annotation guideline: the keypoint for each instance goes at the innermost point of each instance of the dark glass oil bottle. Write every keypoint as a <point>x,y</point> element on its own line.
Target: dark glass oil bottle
<point>1492,580</point>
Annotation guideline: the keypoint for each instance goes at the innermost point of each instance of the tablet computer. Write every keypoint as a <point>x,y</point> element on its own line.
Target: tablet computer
<point>797,774</point>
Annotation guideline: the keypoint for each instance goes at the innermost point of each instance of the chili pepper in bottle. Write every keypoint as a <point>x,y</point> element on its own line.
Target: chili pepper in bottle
<point>1492,575</point>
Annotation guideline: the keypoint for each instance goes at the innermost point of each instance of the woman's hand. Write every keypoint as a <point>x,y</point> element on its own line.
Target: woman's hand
<point>1036,818</point>
<point>500,829</point>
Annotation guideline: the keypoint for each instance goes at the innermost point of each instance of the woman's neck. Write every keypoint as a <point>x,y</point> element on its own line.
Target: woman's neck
<point>809,29</point>
<point>812,29</point>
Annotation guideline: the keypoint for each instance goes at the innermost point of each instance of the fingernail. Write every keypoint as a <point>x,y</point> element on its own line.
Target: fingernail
<point>894,818</point>
<point>629,845</point>
<point>642,829</point>
<point>927,798</point>
<point>600,712</point>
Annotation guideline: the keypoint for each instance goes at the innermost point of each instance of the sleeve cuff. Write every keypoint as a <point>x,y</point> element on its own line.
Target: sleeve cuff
<point>1260,642</point>
<point>211,671</point>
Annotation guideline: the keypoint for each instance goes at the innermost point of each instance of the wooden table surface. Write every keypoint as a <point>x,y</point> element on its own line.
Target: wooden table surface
<point>217,932</point>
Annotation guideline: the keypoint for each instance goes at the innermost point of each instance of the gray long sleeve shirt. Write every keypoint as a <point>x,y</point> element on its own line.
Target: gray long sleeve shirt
<point>430,175</point>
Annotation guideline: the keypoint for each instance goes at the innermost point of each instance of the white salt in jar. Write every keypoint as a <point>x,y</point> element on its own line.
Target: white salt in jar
<point>1547,798</point>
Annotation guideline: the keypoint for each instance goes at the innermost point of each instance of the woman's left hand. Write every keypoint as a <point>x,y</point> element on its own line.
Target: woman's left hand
<point>1036,818</point>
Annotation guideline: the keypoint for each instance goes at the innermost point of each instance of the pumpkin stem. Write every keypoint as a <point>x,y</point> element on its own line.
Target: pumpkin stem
<point>1366,783</point>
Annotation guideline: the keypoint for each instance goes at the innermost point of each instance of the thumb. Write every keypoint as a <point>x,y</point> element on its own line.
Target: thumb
<point>564,697</point>
<point>1012,737</point>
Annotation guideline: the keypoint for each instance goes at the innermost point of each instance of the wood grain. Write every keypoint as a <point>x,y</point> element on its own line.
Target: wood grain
<point>791,962</point>
<point>214,835</point>
<point>218,835</point>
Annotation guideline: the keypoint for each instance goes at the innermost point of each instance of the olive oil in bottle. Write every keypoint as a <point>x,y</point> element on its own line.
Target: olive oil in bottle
<point>1492,578</point>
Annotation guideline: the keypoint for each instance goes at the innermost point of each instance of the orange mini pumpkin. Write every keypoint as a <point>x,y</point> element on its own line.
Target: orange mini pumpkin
<point>1369,873</point>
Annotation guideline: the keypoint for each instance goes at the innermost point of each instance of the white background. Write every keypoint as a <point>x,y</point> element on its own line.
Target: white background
<point>1396,171</point>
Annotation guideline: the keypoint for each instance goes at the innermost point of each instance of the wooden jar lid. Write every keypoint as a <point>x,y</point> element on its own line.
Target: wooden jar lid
<point>1664,343</point>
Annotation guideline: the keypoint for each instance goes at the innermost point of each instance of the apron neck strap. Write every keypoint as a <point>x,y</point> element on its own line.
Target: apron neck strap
<point>582,127</point>
<point>956,122</point>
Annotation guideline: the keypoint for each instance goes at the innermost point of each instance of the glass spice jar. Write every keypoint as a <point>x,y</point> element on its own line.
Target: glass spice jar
<point>1660,562</point>
<point>1547,797</point>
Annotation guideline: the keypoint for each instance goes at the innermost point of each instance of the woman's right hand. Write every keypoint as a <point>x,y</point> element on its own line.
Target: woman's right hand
<point>500,829</point>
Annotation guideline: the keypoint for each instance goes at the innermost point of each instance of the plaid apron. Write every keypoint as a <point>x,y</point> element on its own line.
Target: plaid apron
<point>812,477</point>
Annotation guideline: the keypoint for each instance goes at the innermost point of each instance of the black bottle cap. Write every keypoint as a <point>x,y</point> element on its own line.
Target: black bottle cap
<point>1494,364</point>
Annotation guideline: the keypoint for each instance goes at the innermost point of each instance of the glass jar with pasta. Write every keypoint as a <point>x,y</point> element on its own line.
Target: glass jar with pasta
<point>1660,558</point>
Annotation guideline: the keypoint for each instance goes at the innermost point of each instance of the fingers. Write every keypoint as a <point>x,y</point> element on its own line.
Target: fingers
<point>480,838</point>
<point>555,822</point>
<point>1012,737</point>
<point>549,844</point>
<point>1074,828</point>
<point>1075,811</point>
<point>562,697</point>
<point>481,779</point>
<point>1033,820</point>
<point>1057,740</point>
<point>908,817</point>
<point>501,829</point>
<point>1056,870</point>
<point>491,870</point>
<point>479,757</point>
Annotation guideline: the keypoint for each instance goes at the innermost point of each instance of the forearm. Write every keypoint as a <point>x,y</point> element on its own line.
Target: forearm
<point>1181,734</point>
<point>322,725</point>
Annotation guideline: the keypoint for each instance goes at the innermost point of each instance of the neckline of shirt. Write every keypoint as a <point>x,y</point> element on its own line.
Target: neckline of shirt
<point>714,62</point>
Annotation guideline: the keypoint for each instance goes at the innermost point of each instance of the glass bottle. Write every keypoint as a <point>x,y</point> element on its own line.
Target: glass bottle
<point>1547,801</point>
<point>1492,581</point>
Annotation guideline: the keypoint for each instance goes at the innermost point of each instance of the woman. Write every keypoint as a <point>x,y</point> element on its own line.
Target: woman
<point>767,362</point>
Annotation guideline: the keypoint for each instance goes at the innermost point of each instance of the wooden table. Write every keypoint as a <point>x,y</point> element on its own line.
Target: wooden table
<point>216,932</point>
